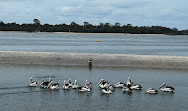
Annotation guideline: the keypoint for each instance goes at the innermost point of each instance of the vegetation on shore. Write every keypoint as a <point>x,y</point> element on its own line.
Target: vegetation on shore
<point>89,28</point>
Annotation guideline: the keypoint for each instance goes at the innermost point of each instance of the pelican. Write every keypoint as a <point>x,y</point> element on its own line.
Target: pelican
<point>129,81</point>
<point>151,91</point>
<point>136,86</point>
<point>87,87</point>
<point>102,83</point>
<point>66,85</point>
<point>106,90</point>
<point>53,85</point>
<point>111,87</point>
<point>69,82</point>
<point>119,84</point>
<point>32,83</point>
<point>75,85</point>
<point>45,84</point>
<point>88,84</point>
<point>127,88</point>
<point>84,88</point>
<point>165,88</point>
<point>102,80</point>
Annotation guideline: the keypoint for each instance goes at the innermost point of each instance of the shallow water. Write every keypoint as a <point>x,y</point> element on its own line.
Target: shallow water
<point>16,95</point>
<point>86,43</point>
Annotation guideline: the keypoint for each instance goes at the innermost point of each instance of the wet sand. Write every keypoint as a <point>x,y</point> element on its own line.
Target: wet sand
<point>62,58</point>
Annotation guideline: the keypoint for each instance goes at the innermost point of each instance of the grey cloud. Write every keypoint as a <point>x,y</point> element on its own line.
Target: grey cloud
<point>136,12</point>
<point>130,3</point>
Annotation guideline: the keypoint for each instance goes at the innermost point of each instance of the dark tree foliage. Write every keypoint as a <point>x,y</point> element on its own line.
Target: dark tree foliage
<point>36,22</point>
<point>89,28</point>
<point>184,32</point>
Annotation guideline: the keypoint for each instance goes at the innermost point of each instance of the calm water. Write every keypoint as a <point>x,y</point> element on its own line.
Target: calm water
<point>15,95</point>
<point>86,43</point>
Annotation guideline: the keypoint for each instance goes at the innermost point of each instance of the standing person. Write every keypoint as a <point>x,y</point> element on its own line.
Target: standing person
<point>90,63</point>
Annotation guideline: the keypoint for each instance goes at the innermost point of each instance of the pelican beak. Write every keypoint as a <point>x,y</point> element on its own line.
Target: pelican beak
<point>160,87</point>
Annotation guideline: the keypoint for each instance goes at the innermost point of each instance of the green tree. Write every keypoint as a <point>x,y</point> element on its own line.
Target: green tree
<point>107,24</point>
<point>174,29</point>
<point>1,22</point>
<point>86,23</point>
<point>101,24</point>
<point>129,25</point>
<point>36,22</point>
<point>73,24</point>
<point>117,24</point>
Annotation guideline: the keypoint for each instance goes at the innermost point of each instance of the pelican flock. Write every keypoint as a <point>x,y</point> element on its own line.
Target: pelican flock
<point>104,85</point>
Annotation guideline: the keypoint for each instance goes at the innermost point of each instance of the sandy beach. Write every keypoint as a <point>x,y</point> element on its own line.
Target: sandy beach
<point>57,58</point>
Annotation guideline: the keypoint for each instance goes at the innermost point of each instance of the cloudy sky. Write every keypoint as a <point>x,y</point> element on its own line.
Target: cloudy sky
<point>169,13</point>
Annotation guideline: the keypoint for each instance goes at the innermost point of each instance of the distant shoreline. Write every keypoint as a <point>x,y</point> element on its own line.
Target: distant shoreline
<point>36,26</point>
<point>80,33</point>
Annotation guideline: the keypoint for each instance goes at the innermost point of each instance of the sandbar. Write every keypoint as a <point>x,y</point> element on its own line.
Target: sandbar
<point>66,58</point>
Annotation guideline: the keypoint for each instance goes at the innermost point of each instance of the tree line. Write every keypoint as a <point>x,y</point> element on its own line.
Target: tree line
<point>87,28</point>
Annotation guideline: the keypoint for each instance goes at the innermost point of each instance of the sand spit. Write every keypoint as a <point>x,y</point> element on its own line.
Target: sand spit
<point>61,58</point>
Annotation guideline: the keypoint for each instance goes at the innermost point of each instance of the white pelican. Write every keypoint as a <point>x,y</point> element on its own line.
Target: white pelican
<point>165,88</point>
<point>102,80</point>
<point>106,90</point>
<point>84,88</point>
<point>111,87</point>
<point>52,85</point>
<point>136,86</point>
<point>69,82</point>
<point>32,83</point>
<point>66,85</point>
<point>87,87</point>
<point>75,85</point>
<point>127,88</point>
<point>151,91</point>
<point>129,81</point>
<point>102,83</point>
<point>119,84</point>
<point>45,84</point>
<point>88,84</point>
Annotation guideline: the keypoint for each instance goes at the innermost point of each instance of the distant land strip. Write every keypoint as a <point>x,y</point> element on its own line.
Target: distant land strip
<point>64,58</point>
<point>36,26</point>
